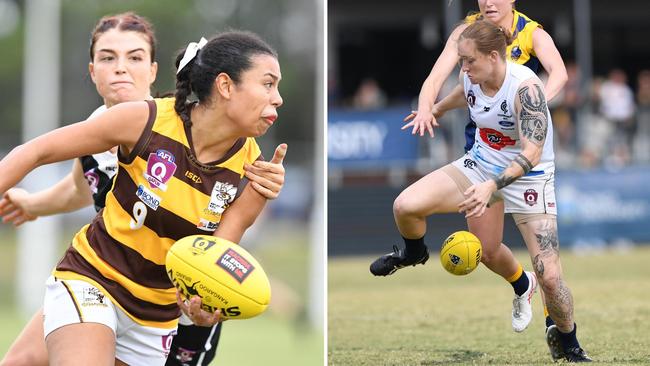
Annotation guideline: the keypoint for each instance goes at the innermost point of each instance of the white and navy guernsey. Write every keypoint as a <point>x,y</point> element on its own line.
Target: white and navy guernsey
<point>497,137</point>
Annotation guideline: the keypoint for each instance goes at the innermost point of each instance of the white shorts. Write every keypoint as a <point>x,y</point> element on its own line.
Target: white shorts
<point>73,302</point>
<point>530,194</point>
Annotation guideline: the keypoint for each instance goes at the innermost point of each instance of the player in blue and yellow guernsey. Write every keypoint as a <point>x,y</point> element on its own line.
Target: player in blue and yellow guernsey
<point>532,47</point>
<point>181,172</point>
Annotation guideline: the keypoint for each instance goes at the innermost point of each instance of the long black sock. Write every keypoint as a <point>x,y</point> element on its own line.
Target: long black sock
<point>549,321</point>
<point>414,247</point>
<point>569,340</point>
<point>520,285</point>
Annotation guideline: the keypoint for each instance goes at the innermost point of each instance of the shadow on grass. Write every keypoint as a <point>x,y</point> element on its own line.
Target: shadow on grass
<point>459,356</point>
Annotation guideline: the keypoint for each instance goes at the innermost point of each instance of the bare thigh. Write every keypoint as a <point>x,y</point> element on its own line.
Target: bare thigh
<point>82,344</point>
<point>436,192</point>
<point>489,227</point>
<point>29,348</point>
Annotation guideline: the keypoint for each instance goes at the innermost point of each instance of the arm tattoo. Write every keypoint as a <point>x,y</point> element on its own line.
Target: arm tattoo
<point>524,163</point>
<point>533,117</point>
<point>503,180</point>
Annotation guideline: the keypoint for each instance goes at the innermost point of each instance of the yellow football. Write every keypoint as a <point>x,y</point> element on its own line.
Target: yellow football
<point>222,273</point>
<point>461,253</point>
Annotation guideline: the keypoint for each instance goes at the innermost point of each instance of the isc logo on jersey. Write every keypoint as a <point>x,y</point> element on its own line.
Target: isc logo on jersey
<point>149,198</point>
<point>160,169</point>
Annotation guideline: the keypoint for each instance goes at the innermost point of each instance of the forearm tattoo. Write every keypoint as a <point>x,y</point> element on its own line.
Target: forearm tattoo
<point>504,179</point>
<point>533,117</point>
<point>524,163</point>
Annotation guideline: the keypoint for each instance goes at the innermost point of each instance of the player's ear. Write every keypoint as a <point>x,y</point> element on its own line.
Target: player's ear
<point>91,71</point>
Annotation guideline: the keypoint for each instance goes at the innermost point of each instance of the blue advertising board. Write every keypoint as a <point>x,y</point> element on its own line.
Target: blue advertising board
<point>370,139</point>
<point>604,206</point>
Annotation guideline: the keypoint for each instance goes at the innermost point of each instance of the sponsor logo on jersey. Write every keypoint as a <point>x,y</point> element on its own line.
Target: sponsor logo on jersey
<point>202,244</point>
<point>504,109</point>
<point>238,267</point>
<point>222,196</point>
<point>149,198</point>
<point>92,296</point>
<point>551,204</point>
<point>486,109</point>
<point>207,225</point>
<point>507,124</point>
<point>471,98</point>
<point>530,196</point>
<point>193,177</point>
<point>185,355</point>
<point>495,139</point>
<point>470,164</point>
<point>160,169</point>
<point>167,342</point>
<point>93,180</point>
<point>515,53</point>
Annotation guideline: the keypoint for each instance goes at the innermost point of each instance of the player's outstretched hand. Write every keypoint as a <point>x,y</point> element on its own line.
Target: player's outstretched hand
<point>478,196</point>
<point>267,178</point>
<point>421,122</point>
<point>13,207</point>
<point>200,317</point>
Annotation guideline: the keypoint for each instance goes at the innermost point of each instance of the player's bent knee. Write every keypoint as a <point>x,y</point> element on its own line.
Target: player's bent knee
<point>550,282</point>
<point>489,254</point>
<point>403,206</point>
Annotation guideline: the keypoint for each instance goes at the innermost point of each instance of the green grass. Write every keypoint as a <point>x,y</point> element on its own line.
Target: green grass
<point>424,316</point>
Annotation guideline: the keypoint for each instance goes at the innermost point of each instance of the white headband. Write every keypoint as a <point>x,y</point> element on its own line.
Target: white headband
<point>190,52</point>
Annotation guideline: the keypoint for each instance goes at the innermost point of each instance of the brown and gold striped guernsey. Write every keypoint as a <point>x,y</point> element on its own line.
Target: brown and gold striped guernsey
<point>161,193</point>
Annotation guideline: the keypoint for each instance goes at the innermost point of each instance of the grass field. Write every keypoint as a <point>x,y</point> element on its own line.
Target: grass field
<point>424,316</point>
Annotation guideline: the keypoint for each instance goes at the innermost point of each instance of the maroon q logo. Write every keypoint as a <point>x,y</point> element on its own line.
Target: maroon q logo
<point>471,98</point>
<point>530,196</point>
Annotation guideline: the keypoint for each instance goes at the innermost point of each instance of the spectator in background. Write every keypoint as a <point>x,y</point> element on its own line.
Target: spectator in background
<point>369,95</point>
<point>617,107</point>
<point>565,117</point>
<point>643,117</point>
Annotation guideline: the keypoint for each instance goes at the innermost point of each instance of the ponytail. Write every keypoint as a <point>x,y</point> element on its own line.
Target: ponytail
<point>183,90</point>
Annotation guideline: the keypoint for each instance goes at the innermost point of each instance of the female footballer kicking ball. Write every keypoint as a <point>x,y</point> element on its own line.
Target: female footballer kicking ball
<point>531,46</point>
<point>129,312</point>
<point>509,162</point>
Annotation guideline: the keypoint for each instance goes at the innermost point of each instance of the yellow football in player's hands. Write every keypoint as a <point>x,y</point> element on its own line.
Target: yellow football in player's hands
<point>222,273</point>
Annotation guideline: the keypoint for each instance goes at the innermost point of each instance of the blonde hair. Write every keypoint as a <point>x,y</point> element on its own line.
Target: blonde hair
<point>488,37</point>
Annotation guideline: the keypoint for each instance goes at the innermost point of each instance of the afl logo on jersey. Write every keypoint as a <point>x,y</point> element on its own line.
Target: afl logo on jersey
<point>471,98</point>
<point>515,53</point>
<point>160,169</point>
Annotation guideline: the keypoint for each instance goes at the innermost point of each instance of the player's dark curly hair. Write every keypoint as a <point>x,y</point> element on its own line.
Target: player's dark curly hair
<point>229,53</point>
